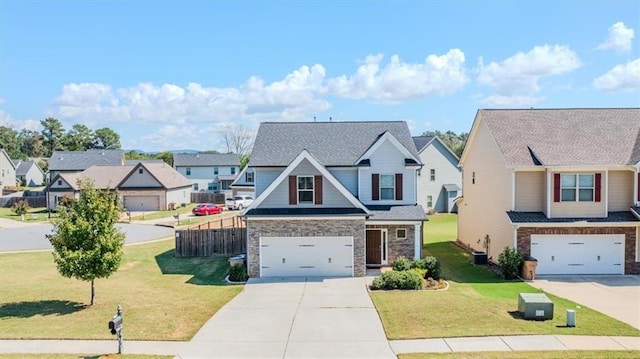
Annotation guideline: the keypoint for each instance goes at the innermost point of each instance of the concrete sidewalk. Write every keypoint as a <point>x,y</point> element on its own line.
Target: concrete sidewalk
<point>439,345</point>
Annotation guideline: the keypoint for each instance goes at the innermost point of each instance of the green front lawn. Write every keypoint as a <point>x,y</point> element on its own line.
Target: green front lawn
<point>38,214</point>
<point>478,302</point>
<point>543,354</point>
<point>163,297</point>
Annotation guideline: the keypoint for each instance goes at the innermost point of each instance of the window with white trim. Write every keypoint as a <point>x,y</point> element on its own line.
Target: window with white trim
<point>429,201</point>
<point>401,233</point>
<point>577,187</point>
<point>215,170</point>
<point>248,177</point>
<point>305,189</point>
<point>188,171</point>
<point>433,174</point>
<point>387,187</point>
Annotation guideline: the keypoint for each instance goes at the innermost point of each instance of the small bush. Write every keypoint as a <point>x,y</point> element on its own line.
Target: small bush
<point>67,201</point>
<point>510,262</point>
<point>408,279</point>
<point>401,264</point>
<point>238,273</point>
<point>20,207</point>
<point>432,265</point>
<point>418,263</point>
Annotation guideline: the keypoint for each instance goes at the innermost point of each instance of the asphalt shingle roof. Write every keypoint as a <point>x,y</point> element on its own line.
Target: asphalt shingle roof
<point>422,141</point>
<point>331,143</point>
<point>539,217</point>
<point>566,137</point>
<point>205,159</point>
<point>398,213</point>
<point>81,160</point>
<point>23,167</point>
<point>167,176</point>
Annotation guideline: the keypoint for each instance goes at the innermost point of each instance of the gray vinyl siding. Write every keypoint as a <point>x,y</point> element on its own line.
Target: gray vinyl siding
<point>348,178</point>
<point>437,157</point>
<point>387,159</point>
<point>137,179</point>
<point>331,197</point>
<point>263,178</point>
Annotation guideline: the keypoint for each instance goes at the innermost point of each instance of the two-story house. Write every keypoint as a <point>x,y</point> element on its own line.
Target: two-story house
<point>78,161</point>
<point>332,198</point>
<point>244,183</point>
<point>28,173</point>
<point>440,180</point>
<point>560,185</point>
<point>211,172</point>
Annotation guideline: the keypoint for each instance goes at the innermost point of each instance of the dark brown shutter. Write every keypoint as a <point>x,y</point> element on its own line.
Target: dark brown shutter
<point>598,186</point>
<point>556,187</point>
<point>317,189</point>
<point>375,187</point>
<point>293,190</point>
<point>398,186</point>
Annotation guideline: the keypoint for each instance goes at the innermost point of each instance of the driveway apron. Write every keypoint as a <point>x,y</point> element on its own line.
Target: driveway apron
<point>294,318</point>
<point>617,296</point>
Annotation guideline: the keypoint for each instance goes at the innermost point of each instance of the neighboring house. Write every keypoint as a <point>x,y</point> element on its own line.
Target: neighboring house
<point>78,161</point>
<point>560,185</point>
<point>7,170</point>
<point>29,173</point>
<point>440,180</point>
<point>211,172</point>
<point>143,187</point>
<point>332,198</point>
<point>244,183</point>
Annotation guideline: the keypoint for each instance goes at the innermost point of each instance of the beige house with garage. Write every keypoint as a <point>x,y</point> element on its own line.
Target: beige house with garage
<point>143,187</point>
<point>560,185</point>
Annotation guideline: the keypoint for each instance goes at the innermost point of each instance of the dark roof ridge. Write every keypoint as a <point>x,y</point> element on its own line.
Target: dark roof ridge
<point>558,108</point>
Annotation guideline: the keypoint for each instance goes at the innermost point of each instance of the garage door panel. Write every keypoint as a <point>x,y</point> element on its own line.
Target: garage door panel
<point>306,256</point>
<point>142,203</point>
<point>578,254</point>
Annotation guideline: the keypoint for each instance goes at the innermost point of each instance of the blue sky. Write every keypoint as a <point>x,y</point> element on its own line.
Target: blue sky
<point>169,74</point>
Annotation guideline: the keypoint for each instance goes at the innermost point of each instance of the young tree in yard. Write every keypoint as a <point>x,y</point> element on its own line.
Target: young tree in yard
<point>86,242</point>
<point>21,207</point>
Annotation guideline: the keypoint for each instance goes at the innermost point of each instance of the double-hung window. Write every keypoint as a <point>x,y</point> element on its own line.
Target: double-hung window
<point>215,170</point>
<point>387,187</point>
<point>248,177</point>
<point>577,187</point>
<point>433,174</point>
<point>305,189</point>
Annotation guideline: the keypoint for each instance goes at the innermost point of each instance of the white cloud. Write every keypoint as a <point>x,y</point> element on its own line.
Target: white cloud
<point>620,78</point>
<point>620,38</point>
<point>399,81</point>
<point>7,120</point>
<point>510,101</point>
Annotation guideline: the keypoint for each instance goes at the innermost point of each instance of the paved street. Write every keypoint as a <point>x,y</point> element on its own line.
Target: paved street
<point>32,237</point>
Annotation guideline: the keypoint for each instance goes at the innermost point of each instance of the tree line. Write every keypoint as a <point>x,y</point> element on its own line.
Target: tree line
<point>454,141</point>
<point>26,143</point>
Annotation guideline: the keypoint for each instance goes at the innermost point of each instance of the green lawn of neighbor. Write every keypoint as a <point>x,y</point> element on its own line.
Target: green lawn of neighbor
<point>38,214</point>
<point>555,354</point>
<point>163,298</point>
<point>478,302</point>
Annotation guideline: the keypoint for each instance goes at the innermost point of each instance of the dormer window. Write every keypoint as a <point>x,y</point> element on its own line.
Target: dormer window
<point>305,189</point>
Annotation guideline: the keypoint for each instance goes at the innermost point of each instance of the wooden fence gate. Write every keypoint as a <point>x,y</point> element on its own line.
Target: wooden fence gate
<point>208,242</point>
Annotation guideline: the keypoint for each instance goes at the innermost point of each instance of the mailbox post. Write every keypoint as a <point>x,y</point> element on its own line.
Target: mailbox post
<point>115,326</point>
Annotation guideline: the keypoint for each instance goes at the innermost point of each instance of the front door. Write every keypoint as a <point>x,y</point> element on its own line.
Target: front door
<point>374,246</point>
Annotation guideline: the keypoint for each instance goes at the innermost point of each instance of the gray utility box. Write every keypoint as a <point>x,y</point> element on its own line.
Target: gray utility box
<point>535,306</point>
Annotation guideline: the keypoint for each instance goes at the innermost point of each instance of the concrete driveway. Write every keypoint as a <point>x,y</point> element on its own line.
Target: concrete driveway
<point>294,318</point>
<point>614,295</point>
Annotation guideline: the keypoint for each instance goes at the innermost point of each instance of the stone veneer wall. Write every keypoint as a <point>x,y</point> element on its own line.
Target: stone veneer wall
<point>305,228</point>
<point>630,264</point>
<point>398,247</point>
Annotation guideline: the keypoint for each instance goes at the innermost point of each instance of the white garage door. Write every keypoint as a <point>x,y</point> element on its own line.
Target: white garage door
<point>306,256</point>
<point>142,203</point>
<point>578,254</point>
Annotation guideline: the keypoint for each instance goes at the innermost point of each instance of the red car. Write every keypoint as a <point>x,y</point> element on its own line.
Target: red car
<point>205,209</point>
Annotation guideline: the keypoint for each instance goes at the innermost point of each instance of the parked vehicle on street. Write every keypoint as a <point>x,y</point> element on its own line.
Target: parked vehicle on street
<point>205,209</point>
<point>239,202</point>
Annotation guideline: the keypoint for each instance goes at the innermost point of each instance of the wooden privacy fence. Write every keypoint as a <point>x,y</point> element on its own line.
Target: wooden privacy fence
<point>204,197</point>
<point>208,242</point>
<point>230,222</point>
<point>34,202</point>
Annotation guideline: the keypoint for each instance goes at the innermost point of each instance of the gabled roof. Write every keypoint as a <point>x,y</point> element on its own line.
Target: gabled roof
<point>305,155</point>
<point>4,153</point>
<point>166,175</point>
<point>332,143</point>
<point>565,137</point>
<point>240,179</point>
<point>410,158</point>
<point>422,141</point>
<point>106,177</point>
<point>81,160</point>
<point>205,159</point>
<point>24,166</point>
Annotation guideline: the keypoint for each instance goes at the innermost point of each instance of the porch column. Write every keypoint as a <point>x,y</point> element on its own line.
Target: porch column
<point>418,242</point>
